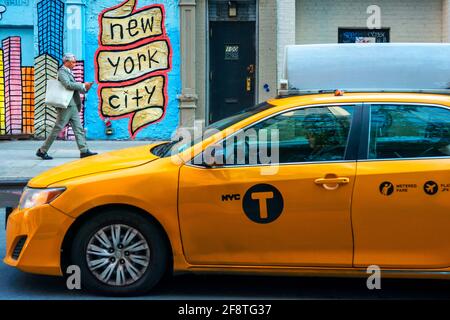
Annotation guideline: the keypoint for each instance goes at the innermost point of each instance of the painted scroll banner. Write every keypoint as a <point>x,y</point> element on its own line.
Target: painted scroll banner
<point>124,65</point>
<point>132,27</point>
<point>132,64</point>
<point>145,99</point>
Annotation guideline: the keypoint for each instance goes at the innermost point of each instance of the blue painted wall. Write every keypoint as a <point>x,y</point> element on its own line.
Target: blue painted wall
<point>11,25</point>
<point>16,9</point>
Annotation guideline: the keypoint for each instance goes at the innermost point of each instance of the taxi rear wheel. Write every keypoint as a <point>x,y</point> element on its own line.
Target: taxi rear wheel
<point>120,252</point>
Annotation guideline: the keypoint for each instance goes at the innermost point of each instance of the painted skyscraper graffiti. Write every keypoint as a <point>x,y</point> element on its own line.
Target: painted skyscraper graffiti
<point>2,97</point>
<point>130,51</point>
<point>13,84</point>
<point>50,25</point>
<point>22,88</point>
<point>46,67</point>
<point>28,100</point>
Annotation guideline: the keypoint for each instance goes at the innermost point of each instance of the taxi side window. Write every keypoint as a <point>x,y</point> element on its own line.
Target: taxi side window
<point>409,131</point>
<point>303,135</point>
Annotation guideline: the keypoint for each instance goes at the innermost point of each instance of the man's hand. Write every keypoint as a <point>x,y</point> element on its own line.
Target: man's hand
<point>88,85</point>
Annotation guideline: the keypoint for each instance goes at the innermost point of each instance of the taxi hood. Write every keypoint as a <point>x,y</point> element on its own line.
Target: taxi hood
<point>110,161</point>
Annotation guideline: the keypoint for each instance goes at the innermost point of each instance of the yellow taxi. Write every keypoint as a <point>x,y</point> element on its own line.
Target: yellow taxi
<point>361,179</point>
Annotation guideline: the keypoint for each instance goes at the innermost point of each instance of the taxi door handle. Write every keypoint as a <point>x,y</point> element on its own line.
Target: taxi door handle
<point>331,184</point>
<point>323,181</point>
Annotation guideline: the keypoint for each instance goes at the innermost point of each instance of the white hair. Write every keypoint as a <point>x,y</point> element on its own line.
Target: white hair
<point>69,57</point>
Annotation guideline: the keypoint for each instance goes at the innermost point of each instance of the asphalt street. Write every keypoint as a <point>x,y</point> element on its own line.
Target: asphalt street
<point>16,285</point>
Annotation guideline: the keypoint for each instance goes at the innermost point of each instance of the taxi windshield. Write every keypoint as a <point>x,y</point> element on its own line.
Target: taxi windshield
<point>166,149</point>
<point>235,118</point>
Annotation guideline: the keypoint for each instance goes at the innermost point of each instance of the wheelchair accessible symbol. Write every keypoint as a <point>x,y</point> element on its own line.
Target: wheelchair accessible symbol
<point>263,203</point>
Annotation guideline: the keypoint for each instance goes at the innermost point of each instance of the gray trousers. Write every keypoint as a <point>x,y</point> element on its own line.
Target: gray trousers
<point>64,116</point>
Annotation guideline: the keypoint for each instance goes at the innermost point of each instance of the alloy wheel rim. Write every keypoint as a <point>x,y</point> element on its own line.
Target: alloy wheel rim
<point>118,255</point>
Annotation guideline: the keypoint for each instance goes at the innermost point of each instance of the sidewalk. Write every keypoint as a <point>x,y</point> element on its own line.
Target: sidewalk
<point>18,160</point>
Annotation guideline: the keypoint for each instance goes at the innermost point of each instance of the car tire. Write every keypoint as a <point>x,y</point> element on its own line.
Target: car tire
<point>108,231</point>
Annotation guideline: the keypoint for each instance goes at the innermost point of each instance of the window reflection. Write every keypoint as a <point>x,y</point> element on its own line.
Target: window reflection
<point>304,135</point>
<point>402,131</point>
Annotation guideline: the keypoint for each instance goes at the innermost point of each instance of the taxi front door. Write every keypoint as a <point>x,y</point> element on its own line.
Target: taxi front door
<point>299,216</point>
<point>233,216</point>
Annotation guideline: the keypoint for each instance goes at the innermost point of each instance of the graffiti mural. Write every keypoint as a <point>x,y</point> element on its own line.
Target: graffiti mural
<point>132,63</point>
<point>128,52</point>
<point>50,24</point>
<point>22,87</point>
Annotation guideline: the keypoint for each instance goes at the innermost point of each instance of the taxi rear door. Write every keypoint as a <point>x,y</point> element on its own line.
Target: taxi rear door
<point>235,214</point>
<point>401,202</point>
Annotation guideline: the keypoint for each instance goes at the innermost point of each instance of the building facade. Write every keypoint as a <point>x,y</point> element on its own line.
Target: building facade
<point>168,64</point>
<point>284,22</point>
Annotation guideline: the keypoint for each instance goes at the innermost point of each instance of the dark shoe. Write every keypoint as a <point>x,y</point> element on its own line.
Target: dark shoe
<point>87,154</point>
<point>43,155</point>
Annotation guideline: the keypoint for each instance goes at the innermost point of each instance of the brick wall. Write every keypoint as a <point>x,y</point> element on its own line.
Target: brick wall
<point>409,20</point>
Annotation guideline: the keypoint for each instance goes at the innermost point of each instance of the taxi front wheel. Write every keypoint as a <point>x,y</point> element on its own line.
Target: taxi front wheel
<point>119,252</point>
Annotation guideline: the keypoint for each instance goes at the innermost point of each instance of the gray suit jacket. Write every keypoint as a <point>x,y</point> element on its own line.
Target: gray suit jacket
<point>68,81</point>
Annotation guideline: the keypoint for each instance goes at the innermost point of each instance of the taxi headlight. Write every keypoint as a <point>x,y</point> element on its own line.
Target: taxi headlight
<point>36,197</point>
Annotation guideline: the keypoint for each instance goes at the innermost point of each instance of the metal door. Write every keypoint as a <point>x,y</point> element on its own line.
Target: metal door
<point>232,68</point>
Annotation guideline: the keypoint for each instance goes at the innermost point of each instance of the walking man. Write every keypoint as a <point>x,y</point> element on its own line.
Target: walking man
<point>70,114</point>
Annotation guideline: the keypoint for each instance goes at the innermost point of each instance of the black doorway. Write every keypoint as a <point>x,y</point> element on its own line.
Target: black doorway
<point>232,68</point>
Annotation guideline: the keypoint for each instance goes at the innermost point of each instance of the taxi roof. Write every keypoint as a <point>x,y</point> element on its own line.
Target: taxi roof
<point>361,97</point>
<point>375,66</point>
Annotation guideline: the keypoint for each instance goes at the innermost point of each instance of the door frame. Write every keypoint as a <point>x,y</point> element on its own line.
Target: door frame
<point>208,60</point>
